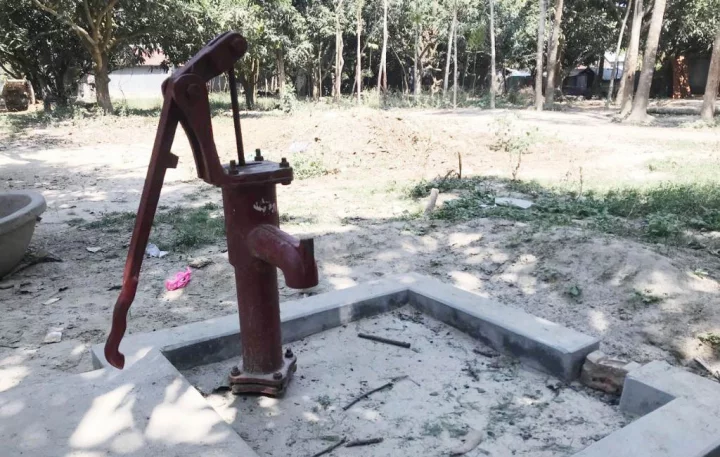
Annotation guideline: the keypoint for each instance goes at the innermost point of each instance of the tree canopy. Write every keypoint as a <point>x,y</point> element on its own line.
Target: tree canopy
<point>294,42</point>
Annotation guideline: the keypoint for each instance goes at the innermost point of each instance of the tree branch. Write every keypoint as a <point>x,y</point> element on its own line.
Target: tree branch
<point>76,28</point>
<point>13,74</point>
<point>108,8</point>
<point>93,25</point>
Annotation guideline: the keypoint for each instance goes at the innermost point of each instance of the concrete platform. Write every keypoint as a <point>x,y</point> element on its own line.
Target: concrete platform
<point>682,428</point>
<point>539,343</point>
<point>657,383</point>
<point>149,411</point>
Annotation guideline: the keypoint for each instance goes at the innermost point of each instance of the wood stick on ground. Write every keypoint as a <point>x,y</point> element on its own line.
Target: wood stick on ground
<point>434,192</point>
<point>364,442</point>
<point>329,449</point>
<point>370,392</point>
<point>380,339</point>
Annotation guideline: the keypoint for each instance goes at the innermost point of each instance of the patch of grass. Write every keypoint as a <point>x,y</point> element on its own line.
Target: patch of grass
<point>711,339</point>
<point>190,228</point>
<point>573,291</point>
<point>645,298</point>
<point>287,218</point>
<point>113,222</point>
<point>307,166</point>
<point>76,222</point>
<point>324,401</point>
<point>174,229</point>
<point>661,213</point>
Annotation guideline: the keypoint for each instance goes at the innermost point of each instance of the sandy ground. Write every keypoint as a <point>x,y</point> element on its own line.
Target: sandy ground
<point>85,168</point>
<point>451,394</point>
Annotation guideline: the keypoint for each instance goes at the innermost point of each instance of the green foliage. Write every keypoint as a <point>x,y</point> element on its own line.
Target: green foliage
<point>190,228</point>
<point>113,222</point>
<point>306,166</point>
<point>174,229</point>
<point>574,291</point>
<point>512,142</point>
<point>711,339</point>
<point>661,213</point>
<point>36,47</point>
<point>645,298</point>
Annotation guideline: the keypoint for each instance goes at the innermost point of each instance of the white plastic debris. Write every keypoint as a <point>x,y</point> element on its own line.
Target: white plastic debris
<point>53,336</point>
<point>93,249</point>
<point>51,301</point>
<point>153,251</point>
<point>298,147</point>
<point>516,202</point>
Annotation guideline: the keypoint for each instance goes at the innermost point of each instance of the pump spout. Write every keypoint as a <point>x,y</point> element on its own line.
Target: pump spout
<point>295,257</point>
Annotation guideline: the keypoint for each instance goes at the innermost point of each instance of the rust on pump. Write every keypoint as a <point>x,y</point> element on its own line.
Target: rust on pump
<point>256,245</point>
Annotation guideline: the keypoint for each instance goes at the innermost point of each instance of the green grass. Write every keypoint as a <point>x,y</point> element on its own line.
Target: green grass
<point>113,222</point>
<point>174,229</point>
<point>306,166</point>
<point>711,339</point>
<point>660,213</point>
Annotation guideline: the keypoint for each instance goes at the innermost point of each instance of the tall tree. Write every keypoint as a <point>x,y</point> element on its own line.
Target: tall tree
<point>339,61</point>
<point>382,74</point>
<point>553,55</point>
<point>451,35</point>
<point>627,85</point>
<point>358,55</point>
<point>642,97</point>
<point>493,76</point>
<point>455,59</point>
<point>713,80</point>
<point>39,48</point>
<point>539,57</point>
<point>97,34</point>
<point>108,26</point>
<point>614,72</point>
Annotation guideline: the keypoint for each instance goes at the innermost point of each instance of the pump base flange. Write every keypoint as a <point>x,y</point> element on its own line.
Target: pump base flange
<point>273,384</point>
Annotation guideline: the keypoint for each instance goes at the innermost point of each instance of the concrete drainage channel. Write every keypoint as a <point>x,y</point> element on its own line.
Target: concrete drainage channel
<point>450,389</point>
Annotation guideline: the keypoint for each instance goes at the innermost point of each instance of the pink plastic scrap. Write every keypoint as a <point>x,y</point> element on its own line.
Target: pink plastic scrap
<point>180,280</point>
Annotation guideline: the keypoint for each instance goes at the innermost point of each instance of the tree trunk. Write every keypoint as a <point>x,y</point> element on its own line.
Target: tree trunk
<point>492,96</point>
<point>613,73</point>
<point>358,58</point>
<point>417,78</point>
<point>31,94</point>
<point>681,78</point>
<point>455,59</point>
<point>339,61</point>
<point>642,98</point>
<point>597,82</point>
<point>280,57</point>
<point>249,83</point>
<point>625,96</point>
<point>449,54</point>
<point>539,99</point>
<point>320,74</point>
<point>553,55</point>
<point>713,80</point>
<point>493,88</point>
<point>382,74</point>
<point>102,82</point>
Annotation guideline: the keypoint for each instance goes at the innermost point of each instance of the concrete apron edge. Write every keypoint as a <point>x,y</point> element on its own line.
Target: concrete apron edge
<point>532,343</point>
<point>538,343</point>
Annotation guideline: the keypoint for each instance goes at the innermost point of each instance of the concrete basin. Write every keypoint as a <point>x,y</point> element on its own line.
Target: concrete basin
<point>19,211</point>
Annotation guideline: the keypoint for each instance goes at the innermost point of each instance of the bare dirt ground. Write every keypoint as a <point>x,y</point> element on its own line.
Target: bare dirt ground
<point>358,213</point>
